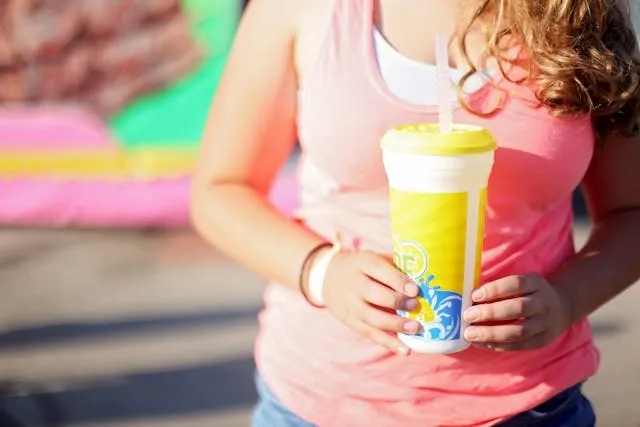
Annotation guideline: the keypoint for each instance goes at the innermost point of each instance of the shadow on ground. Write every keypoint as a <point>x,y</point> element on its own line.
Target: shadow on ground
<point>187,391</point>
<point>62,333</point>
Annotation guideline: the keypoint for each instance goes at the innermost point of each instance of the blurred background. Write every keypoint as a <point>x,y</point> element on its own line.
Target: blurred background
<point>112,312</point>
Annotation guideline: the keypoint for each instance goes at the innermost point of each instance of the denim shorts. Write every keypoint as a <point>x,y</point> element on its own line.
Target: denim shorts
<point>567,409</point>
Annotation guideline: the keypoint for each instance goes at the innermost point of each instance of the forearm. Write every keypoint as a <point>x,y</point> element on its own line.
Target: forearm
<point>607,265</point>
<point>241,223</point>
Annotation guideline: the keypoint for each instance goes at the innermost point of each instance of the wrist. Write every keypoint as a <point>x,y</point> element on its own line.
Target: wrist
<point>568,304</point>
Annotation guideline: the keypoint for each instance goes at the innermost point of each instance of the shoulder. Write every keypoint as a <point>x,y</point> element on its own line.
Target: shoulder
<point>294,14</point>
<point>313,21</point>
<point>304,23</point>
<point>299,18</point>
<point>281,15</point>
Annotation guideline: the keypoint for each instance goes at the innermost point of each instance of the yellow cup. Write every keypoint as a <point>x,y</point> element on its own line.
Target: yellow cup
<point>438,186</point>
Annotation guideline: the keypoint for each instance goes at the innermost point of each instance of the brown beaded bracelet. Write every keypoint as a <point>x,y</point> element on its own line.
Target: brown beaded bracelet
<point>305,267</point>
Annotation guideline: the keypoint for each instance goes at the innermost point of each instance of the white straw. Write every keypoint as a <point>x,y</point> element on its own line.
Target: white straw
<point>445,116</point>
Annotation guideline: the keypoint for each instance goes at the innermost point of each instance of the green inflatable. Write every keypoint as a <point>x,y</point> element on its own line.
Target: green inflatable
<point>175,117</point>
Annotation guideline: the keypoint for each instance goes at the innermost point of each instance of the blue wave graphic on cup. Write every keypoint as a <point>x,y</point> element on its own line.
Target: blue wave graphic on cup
<point>447,310</point>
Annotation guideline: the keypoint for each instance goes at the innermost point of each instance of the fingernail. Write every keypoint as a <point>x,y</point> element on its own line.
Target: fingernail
<point>471,334</point>
<point>411,327</point>
<point>403,351</point>
<point>478,295</point>
<point>411,289</point>
<point>471,314</point>
<point>410,304</point>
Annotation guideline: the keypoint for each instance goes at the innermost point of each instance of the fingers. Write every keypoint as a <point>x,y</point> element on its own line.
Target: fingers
<point>382,296</point>
<point>385,272</point>
<point>379,319</point>
<point>377,287</point>
<point>384,339</point>
<point>375,324</point>
<point>509,309</point>
<point>509,333</point>
<point>507,287</point>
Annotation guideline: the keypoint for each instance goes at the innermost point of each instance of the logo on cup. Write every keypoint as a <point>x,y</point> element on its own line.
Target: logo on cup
<point>411,258</point>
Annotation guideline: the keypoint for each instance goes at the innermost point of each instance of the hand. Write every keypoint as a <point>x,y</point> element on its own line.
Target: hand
<point>363,290</point>
<point>516,313</point>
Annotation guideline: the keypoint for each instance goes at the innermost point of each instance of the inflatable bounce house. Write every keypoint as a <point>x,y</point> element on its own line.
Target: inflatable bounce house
<point>104,104</point>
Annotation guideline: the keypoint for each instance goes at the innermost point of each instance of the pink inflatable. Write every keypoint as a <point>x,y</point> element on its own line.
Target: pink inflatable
<point>33,197</point>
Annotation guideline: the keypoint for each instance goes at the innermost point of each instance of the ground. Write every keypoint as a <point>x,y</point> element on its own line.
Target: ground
<point>153,329</point>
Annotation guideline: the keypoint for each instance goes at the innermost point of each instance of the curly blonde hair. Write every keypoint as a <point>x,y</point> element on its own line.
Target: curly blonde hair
<point>582,56</point>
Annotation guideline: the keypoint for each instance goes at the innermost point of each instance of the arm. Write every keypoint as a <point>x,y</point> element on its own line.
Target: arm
<point>250,134</point>
<point>610,261</point>
<point>534,310</point>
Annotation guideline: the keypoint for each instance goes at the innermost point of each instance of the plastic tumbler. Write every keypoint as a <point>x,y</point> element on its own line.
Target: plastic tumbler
<point>438,187</point>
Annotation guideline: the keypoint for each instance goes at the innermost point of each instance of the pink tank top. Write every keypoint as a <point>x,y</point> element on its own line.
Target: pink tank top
<point>326,373</point>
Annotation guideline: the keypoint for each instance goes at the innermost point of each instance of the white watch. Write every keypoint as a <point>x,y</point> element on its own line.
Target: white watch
<point>318,274</point>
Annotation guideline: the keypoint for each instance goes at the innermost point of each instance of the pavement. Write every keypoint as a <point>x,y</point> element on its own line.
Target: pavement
<point>153,328</point>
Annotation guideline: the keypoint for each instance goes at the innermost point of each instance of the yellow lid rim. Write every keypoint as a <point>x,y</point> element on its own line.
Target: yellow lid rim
<point>427,139</point>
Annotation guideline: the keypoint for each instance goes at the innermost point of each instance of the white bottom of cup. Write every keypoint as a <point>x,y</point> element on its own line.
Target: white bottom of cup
<point>420,345</point>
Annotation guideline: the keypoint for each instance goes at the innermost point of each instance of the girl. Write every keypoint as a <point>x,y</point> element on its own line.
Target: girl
<point>555,81</point>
